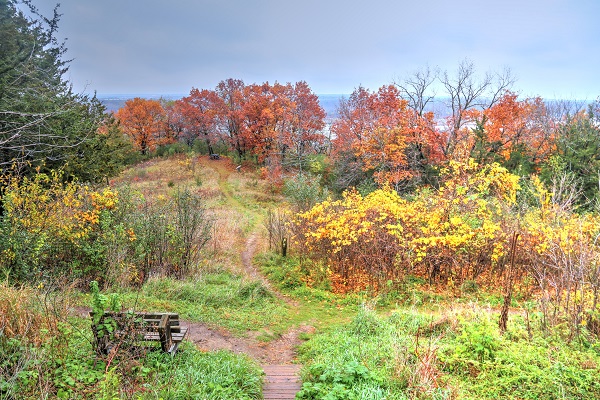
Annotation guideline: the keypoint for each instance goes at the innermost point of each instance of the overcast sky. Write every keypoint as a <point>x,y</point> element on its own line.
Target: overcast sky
<point>166,47</point>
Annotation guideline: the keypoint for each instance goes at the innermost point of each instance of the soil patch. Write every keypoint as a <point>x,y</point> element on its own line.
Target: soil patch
<point>279,351</point>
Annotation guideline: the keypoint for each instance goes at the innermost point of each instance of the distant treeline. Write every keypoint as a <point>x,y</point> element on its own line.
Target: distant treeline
<point>399,135</point>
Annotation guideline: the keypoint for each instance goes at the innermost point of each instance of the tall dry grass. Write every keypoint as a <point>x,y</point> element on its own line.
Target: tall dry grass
<point>30,321</point>
<point>21,313</point>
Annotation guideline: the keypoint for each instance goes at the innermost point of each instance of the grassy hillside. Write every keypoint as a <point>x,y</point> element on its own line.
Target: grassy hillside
<point>247,305</point>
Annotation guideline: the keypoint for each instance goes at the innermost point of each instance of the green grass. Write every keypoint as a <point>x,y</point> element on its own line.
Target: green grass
<point>316,306</point>
<point>409,354</point>
<point>481,363</point>
<point>66,367</point>
<point>332,356</point>
<point>196,375</point>
<point>218,298</point>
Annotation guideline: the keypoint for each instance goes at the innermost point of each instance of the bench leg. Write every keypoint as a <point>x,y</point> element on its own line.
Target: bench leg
<point>164,333</point>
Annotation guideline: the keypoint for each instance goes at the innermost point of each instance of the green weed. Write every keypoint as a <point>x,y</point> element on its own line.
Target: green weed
<point>219,298</point>
<point>414,355</point>
<point>196,375</point>
<point>346,382</point>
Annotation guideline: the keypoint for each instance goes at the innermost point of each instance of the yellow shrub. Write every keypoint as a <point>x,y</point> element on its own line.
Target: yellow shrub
<point>457,231</point>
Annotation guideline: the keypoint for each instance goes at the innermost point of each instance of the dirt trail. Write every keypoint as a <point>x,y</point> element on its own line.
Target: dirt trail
<point>279,351</point>
<point>247,256</point>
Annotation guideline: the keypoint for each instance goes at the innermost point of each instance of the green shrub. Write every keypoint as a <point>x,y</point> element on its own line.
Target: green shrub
<point>339,383</point>
<point>477,341</point>
<point>366,322</point>
<point>303,191</point>
<point>254,291</point>
<point>410,321</point>
<point>171,149</point>
<point>469,286</point>
<point>285,272</point>
<point>531,370</point>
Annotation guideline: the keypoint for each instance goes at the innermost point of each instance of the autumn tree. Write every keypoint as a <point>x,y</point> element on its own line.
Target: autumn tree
<point>513,132</point>
<point>375,132</point>
<point>383,146</point>
<point>351,125</point>
<point>307,120</point>
<point>197,114</point>
<point>174,124</point>
<point>144,121</point>
<point>262,111</point>
<point>230,113</point>
<point>270,122</point>
<point>468,94</point>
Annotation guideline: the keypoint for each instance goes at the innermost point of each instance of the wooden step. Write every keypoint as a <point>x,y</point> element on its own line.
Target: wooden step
<point>281,382</point>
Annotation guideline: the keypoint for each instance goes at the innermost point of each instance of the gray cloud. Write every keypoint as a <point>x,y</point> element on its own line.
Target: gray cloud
<point>154,46</point>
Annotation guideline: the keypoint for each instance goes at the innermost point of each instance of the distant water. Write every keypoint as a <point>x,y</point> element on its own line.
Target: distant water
<point>330,102</point>
<point>127,96</point>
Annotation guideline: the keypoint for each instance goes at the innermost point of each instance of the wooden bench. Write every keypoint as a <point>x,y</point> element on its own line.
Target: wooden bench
<point>138,327</point>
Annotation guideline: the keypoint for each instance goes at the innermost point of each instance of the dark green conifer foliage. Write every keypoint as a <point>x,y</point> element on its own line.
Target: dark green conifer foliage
<point>42,121</point>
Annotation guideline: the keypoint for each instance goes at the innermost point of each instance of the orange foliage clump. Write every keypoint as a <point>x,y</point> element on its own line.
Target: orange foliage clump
<point>144,121</point>
<point>512,125</point>
<point>378,129</point>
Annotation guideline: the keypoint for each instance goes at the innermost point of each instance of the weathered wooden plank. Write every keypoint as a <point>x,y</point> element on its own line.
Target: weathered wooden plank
<point>162,327</point>
<point>289,376</point>
<point>280,396</point>
<point>153,336</point>
<point>282,371</point>
<point>282,387</point>
<point>287,382</point>
<point>281,382</point>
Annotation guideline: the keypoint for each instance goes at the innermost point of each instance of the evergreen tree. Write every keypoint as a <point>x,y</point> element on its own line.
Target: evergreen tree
<point>42,121</point>
<point>577,156</point>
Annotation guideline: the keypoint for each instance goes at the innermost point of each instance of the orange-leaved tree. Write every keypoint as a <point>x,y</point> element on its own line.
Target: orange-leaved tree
<point>144,121</point>
<point>230,114</point>
<point>514,132</point>
<point>379,131</point>
<point>307,120</point>
<point>262,109</point>
<point>281,121</point>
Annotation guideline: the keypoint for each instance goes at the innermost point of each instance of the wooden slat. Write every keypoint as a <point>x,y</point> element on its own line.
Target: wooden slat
<point>164,334</point>
<point>177,337</point>
<point>281,382</point>
<point>147,325</point>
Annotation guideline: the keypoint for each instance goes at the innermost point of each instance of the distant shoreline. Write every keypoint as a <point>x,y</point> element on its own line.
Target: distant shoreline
<point>174,96</point>
<point>329,102</point>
